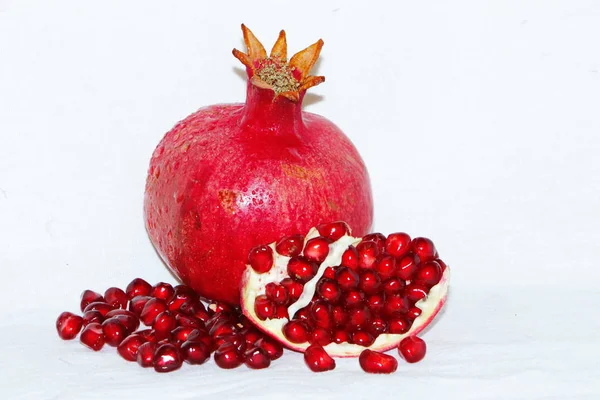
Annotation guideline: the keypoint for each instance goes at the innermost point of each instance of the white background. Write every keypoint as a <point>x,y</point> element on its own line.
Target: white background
<point>479,123</point>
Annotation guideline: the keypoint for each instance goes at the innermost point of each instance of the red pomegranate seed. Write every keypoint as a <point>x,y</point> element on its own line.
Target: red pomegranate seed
<point>395,305</point>
<point>363,338</point>
<point>167,358</point>
<point>218,318</point>
<point>347,279</point>
<point>392,286</point>
<point>353,298</point>
<point>138,287</point>
<point>378,326</point>
<point>398,325</point>
<point>227,356</point>
<point>181,333</point>
<point>412,349</point>
<point>301,269</point>
<point>333,230</point>
<point>328,290</point>
<point>263,307</point>
<point>277,293</point>
<point>251,335</point>
<point>151,310</point>
<point>163,291</point>
<point>89,296</point>
<point>136,305</point>
<point>282,312</point>
<point>257,358</point>
<point>339,316</point>
<point>375,303</point>
<point>367,254</point>
<point>261,259</point>
<point>195,353</point>
<point>201,315</point>
<point>199,336</point>
<point>442,264</point>
<point>320,313</point>
<point>424,248</point>
<point>148,334</point>
<point>386,266</point>
<point>103,308</point>
<point>303,314</point>
<point>369,282</point>
<point>296,331</point>
<point>377,238</point>
<point>320,336</point>
<point>273,349</point>
<point>397,244</point>
<point>68,325</point>
<point>116,297</point>
<point>92,336</point>
<point>317,249</point>
<point>222,328</point>
<point>341,336</point>
<point>377,363</point>
<point>429,273</point>
<point>407,266</point>
<point>290,246</point>
<point>128,348</point>
<point>164,323</point>
<point>329,273</point>
<point>114,331</point>
<point>359,317</point>
<point>293,288</point>
<point>92,316</point>
<point>145,355</point>
<point>317,359</point>
<point>350,258</point>
<point>127,318</point>
<point>415,292</point>
<point>413,312</point>
<point>189,321</point>
<point>236,339</point>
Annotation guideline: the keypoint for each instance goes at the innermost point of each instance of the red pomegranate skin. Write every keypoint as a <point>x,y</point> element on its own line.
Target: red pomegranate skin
<point>232,176</point>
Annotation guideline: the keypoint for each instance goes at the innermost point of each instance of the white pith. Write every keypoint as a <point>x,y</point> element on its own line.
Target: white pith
<point>253,284</point>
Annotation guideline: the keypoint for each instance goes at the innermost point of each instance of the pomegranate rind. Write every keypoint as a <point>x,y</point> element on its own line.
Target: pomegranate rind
<point>253,284</point>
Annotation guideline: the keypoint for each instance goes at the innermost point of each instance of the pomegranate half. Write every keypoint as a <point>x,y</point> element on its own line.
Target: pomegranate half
<point>231,176</point>
<point>344,293</point>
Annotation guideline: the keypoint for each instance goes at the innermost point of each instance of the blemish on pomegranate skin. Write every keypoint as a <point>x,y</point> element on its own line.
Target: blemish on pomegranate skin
<point>299,172</point>
<point>227,198</point>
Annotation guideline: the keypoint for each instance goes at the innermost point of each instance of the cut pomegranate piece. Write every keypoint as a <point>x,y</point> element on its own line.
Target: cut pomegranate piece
<point>377,363</point>
<point>412,349</point>
<point>68,325</point>
<point>317,359</point>
<point>361,293</point>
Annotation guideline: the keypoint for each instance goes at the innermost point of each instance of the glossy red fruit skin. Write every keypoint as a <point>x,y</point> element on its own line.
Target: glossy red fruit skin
<point>296,331</point>
<point>273,349</point>
<point>301,269</point>
<point>164,323</point>
<point>167,358</point>
<point>145,355</point>
<point>257,358</point>
<point>333,230</point>
<point>424,248</point>
<point>228,356</point>
<point>114,331</point>
<point>397,244</point>
<point>151,310</point>
<point>377,363</point>
<point>89,296</point>
<point>68,325</point>
<point>290,246</point>
<point>260,258</point>
<point>100,306</point>
<point>317,249</point>
<point>92,316</point>
<point>116,297</point>
<point>195,352</point>
<point>317,359</point>
<point>412,349</point>
<point>163,291</point>
<point>92,336</point>
<point>231,176</point>
<point>138,287</point>
<point>429,273</point>
<point>128,348</point>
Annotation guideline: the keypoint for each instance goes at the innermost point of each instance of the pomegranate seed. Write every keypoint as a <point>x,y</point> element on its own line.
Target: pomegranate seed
<point>148,334</point>
<point>415,292</point>
<point>358,317</point>
<point>424,248</point>
<point>363,338</point>
<point>407,266</point>
<point>184,299</point>
<point>377,363</point>
<point>341,336</point>
<point>395,305</point>
<point>413,313</point>
<point>263,307</point>
<point>328,290</point>
<point>317,359</point>
<point>320,336</point>
<point>167,358</point>
<point>129,320</point>
<point>321,314</point>
<point>350,258</point>
<point>296,331</point>
<point>151,310</point>
<point>375,303</point>
<point>442,264</point>
<point>333,230</point>
<point>273,349</point>
<point>236,339</point>
<point>92,316</point>
<point>257,358</point>
<point>195,352</point>
<point>114,331</point>
<point>201,315</point>
<point>227,356</point>
<point>282,312</point>
<point>261,259</point>
<point>429,273</point>
<point>317,249</point>
<point>377,238</point>
<point>68,325</point>
<point>92,336</point>
<point>277,293</point>
<point>367,254</point>
<point>290,246</point>
<point>392,286</point>
<point>303,314</point>
<point>369,282</point>
<point>301,269</point>
<point>89,296</point>
<point>138,287</point>
<point>412,349</point>
<point>293,288</point>
<point>398,325</point>
<point>136,305</point>
<point>329,273</point>
<point>163,291</point>
<point>251,335</point>
<point>128,348</point>
<point>386,266</point>
<point>378,326</point>
<point>222,328</point>
<point>181,333</point>
<point>217,319</point>
<point>353,299</point>
<point>188,321</point>
<point>164,323</point>
<point>198,336</point>
<point>103,308</point>
<point>397,244</point>
<point>145,355</point>
<point>347,279</point>
<point>116,297</point>
<point>339,316</point>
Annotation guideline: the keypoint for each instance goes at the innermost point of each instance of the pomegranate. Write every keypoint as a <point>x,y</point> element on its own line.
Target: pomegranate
<point>232,176</point>
<point>354,293</point>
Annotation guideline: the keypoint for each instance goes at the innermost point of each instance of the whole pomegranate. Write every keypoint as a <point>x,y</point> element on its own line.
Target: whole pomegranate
<point>231,176</point>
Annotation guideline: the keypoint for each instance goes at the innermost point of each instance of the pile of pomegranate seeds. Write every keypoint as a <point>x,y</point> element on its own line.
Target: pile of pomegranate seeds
<point>178,328</point>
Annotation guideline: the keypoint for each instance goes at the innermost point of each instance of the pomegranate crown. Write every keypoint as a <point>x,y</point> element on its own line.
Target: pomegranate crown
<point>285,78</point>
